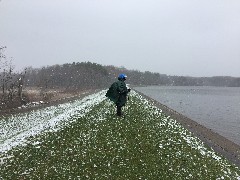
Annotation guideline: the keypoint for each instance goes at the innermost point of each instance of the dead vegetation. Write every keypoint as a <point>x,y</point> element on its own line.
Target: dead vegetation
<point>34,98</point>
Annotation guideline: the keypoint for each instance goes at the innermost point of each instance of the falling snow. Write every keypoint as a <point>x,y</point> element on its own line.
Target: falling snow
<point>85,139</point>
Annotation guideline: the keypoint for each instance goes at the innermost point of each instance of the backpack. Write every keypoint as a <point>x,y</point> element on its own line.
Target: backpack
<point>112,92</point>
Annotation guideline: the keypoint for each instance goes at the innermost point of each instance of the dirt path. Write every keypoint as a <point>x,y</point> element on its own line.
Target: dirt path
<point>215,141</point>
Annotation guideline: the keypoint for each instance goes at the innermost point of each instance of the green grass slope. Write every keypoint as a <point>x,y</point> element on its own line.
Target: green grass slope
<point>143,144</point>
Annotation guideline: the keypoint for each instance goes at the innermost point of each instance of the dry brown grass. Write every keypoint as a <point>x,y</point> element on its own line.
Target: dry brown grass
<point>45,96</point>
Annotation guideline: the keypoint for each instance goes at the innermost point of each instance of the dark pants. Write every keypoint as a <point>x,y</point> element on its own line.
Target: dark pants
<point>119,110</point>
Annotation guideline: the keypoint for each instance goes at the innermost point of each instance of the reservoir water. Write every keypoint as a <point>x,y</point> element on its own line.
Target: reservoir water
<point>217,108</point>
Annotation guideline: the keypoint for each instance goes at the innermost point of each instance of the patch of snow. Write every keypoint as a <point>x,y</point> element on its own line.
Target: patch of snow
<point>18,128</point>
<point>2,159</point>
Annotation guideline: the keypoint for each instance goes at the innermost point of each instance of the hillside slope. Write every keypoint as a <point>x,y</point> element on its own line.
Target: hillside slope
<point>85,139</point>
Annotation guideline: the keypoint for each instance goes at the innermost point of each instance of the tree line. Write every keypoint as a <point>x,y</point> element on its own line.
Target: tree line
<point>147,78</point>
<point>74,76</point>
<point>78,76</point>
<point>88,75</point>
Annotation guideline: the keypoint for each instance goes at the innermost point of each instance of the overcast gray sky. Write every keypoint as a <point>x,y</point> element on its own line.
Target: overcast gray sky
<point>174,37</point>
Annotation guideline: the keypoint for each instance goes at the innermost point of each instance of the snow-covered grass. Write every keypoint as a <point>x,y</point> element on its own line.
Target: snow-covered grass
<point>16,129</point>
<point>86,140</point>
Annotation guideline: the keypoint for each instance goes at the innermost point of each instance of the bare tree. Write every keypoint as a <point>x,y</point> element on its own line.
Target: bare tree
<point>20,83</point>
<point>2,69</point>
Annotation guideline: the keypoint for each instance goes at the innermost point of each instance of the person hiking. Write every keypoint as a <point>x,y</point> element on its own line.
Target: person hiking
<point>118,93</point>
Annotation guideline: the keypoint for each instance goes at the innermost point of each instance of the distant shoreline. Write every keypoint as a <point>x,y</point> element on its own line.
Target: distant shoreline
<point>220,144</point>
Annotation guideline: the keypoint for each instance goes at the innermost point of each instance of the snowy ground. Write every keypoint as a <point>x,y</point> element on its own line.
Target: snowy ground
<point>84,139</point>
<point>16,129</point>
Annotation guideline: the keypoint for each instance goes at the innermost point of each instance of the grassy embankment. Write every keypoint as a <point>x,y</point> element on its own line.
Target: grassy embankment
<point>144,144</point>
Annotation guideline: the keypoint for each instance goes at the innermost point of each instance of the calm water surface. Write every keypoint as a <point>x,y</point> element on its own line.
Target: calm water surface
<point>217,108</point>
